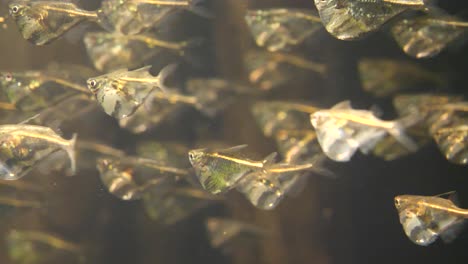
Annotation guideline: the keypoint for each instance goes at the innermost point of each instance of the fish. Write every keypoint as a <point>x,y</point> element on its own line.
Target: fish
<point>41,22</point>
<point>262,191</point>
<point>275,116</point>
<point>224,232</point>
<point>130,17</point>
<point>383,77</point>
<point>110,51</point>
<point>281,29</point>
<point>352,19</point>
<point>428,35</point>
<point>23,146</point>
<point>122,92</point>
<point>30,246</point>
<point>220,170</point>
<point>426,218</point>
<point>129,180</point>
<point>436,110</point>
<point>342,130</point>
<point>177,203</point>
<point>452,141</point>
<point>268,70</point>
<point>37,90</point>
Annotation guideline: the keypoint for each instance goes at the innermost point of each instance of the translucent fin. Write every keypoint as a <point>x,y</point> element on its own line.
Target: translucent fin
<point>451,233</point>
<point>234,149</point>
<point>163,74</point>
<point>270,159</point>
<point>343,105</point>
<point>401,136</point>
<point>71,153</point>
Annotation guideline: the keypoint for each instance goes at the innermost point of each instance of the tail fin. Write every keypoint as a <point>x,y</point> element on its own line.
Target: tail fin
<point>163,75</point>
<point>398,131</point>
<point>72,153</point>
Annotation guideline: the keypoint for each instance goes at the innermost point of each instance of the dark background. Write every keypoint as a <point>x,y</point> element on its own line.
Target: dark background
<point>348,220</point>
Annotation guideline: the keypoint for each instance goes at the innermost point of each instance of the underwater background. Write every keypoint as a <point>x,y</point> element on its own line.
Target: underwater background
<point>348,220</point>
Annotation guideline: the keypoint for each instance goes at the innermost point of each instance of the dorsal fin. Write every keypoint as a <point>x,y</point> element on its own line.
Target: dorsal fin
<point>343,105</point>
<point>451,196</point>
<point>29,119</point>
<point>270,159</point>
<point>233,149</point>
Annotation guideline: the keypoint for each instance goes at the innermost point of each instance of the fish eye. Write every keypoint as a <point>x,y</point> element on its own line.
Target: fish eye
<point>8,77</point>
<point>14,9</point>
<point>92,84</point>
<point>191,156</point>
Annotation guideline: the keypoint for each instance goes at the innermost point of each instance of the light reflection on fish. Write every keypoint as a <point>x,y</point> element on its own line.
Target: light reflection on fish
<point>453,142</point>
<point>425,218</point>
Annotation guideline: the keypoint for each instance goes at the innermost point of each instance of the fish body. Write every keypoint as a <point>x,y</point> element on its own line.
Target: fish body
<point>129,180</point>
<point>23,146</point>
<point>351,19</point>
<point>383,77</point>
<point>424,218</point>
<point>122,92</point>
<point>262,191</point>
<point>268,70</point>
<point>41,22</point>
<point>131,17</point>
<point>342,130</point>
<point>223,233</point>
<point>453,142</point>
<point>219,171</point>
<point>113,51</point>
<point>281,29</point>
<point>426,36</point>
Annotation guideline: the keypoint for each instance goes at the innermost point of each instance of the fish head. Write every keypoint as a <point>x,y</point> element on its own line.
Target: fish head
<point>16,86</point>
<point>197,157</point>
<point>18,8</point>
<point>319,118</point>
<point>96,84</point>
<point>30,22</point>
<point>403,201</point>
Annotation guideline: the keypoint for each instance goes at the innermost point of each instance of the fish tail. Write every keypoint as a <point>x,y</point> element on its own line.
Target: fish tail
<point>163,75</point>
<point>72,153</point>
<point>398,131</point>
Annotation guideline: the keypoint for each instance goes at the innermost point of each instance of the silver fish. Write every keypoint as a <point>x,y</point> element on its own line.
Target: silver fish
<point>113,51</point>
<point>268,70</point>
<point>131,17</point>
<point>220,170</point>
<point>351,19</point>
<point>282,29</point>
<point>23,146</point>
<point>342,130</point>
<point>425,218</point>
<point>383,77</point>
<point>120,93</point>
<point>453,142</point>
<point>41,22</point>
<point>426,36</point>
<point>129,180</point>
